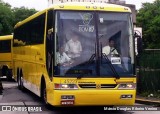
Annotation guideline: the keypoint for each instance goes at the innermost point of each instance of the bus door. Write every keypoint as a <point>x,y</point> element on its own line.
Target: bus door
<point>50,43</point>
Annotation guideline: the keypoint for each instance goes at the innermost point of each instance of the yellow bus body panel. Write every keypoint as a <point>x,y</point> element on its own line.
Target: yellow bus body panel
<point>92,96</point>
<point>6,37</point>
<point>6,59</point>
<point>30,59</point>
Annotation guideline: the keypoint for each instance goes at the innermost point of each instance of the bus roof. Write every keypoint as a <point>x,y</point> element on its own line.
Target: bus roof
<point>88,6</point>
<point>95,6</point>
<point>6,37</point>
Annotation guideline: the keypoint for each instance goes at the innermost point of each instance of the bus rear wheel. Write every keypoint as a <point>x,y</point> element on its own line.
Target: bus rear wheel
<point>9,75</point>
<point>18,80</point>
<point>21,81</point>
<point>7,72</point>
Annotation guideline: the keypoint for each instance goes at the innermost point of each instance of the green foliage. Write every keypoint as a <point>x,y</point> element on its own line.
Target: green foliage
<point>10,16</point>
<point>148,18</point>
<point>22,13</point>
<point>6,19</point>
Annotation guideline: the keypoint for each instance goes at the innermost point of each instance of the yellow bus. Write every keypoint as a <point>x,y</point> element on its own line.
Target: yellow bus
<point>6,56</point>
<point>92,77</point>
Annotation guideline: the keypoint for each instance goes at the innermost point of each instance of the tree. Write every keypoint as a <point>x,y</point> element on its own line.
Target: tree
<point>22,13</point>
<point>9,17</point>
<point>148,18</point>
<point>6,19</point>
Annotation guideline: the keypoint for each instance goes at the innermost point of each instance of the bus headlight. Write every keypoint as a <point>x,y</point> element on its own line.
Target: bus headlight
<point>127,86</point>
<point>65,86</point>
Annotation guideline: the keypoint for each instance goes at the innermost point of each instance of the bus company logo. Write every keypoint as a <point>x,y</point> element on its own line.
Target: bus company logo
<point>98,86</point>
<point>87,17</point>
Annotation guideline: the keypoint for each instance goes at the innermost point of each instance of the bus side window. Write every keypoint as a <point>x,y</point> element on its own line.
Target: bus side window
<point>37,32</point>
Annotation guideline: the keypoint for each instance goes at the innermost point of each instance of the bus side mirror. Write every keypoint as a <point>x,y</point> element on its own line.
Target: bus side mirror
<point>138,42</point>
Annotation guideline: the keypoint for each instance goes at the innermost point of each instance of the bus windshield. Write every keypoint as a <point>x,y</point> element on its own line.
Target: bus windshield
<point>93,44</point>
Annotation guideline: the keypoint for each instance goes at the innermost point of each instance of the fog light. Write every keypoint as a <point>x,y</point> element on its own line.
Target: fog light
<point>65,97</point>
<point>126,96</point>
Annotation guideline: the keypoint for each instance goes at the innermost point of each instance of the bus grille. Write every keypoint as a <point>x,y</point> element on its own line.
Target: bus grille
<point>97,86</point>
<point>108,85</point>
<point>87,85</point>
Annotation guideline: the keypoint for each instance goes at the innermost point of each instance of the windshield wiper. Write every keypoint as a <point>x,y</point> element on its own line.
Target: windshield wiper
<point>80,76</point>
<point>88,62</point>
<point>103,55</point>
<point>111,66</point>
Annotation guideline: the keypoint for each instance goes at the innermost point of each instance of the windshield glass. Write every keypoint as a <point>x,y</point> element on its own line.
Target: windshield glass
<point>116,41</point>
<point>84,41</point>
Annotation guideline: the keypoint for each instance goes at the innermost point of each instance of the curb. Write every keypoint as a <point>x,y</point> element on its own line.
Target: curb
<point>148,102</point>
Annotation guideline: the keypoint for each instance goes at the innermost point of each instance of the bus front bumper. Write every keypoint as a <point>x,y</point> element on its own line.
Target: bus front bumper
<point>91,97</point>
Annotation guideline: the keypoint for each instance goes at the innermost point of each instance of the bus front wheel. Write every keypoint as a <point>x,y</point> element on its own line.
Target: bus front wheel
<point>44,94</point>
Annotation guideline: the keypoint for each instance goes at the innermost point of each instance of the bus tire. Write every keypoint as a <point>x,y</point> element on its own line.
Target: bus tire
<point>4,70</point>
<point>18,79</point>
<point>44,93</point>
<point>21,80</point>
<point>9,75</point>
